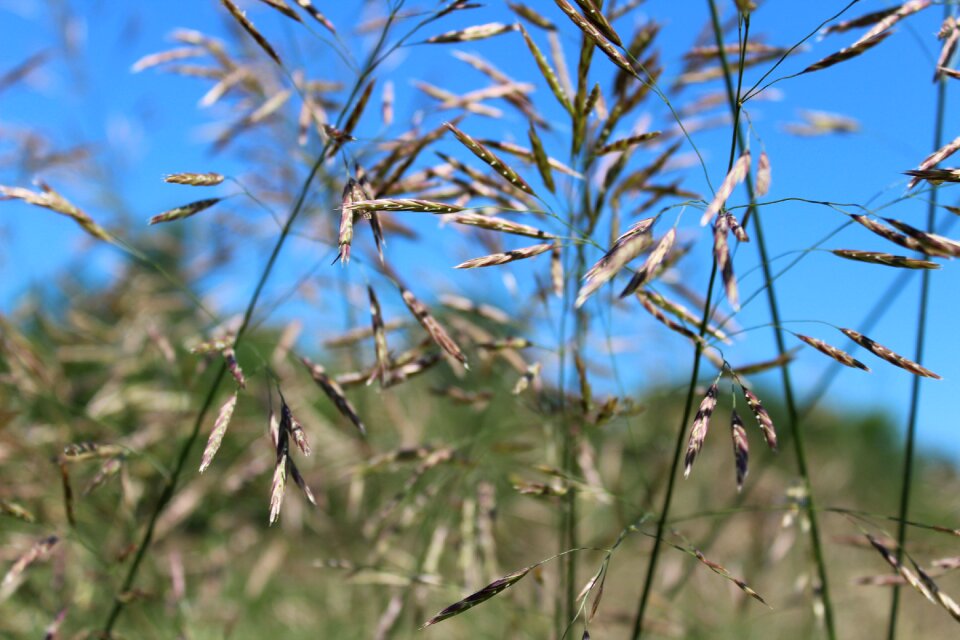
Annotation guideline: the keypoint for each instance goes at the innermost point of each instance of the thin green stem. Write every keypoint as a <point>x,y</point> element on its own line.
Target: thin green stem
<point>792,415</point>
<point>908,454</point>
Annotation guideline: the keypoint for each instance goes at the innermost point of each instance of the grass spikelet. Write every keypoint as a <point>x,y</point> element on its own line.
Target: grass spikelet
<point>904,10</point>
<point>219,429</point>
<point>531,16</point>
<point>861,21</point>
<point>107,470</point>
<point>763,175</point>
<point>345,233</point>
<point>431,326</point>
<point>500,224</point>
<point>386,103</point>
<point>653,262</point>
<point>346,133</point>
<point>625,143</point>
<point>404,204</point>
<point>594,35</point>
<point>379,338</point>
<point>556,270</point>
<point>846,53</point>
<point>230,357</point>
<point>279,485</point>
<point>950,34</point>
<point>670,324</point>
<point>763,417</point>
<point>15,510</point>
<point>889,234</point>
<point>701,424</point>
<point>290,424</point>
<point>935,176</point>
<point>905,573</point>
<point>722,571</point>
<point>184,211</point>
<point>403,370</point>
<point>839,355</point>
<point>547,72</point>
<point>721,253</point>
<point>738,231</point>
<point>527,155</point>
<point>162,57</point>
<point>194,179</point>
<point>888,259</point>
<point>541,158</point>
<point>934,159</point>
<point>736,175</point>
<point>477,32</point>
<point>284,8</point>
<point>50,199</point>
<point>39,550</point>
<point>335,393</point>
<point>480,596</point>
<point>886,354</point>
<point>466,305</point>
<point>241,17</point>
<point>530,377</point>
<point>741,449</point>
<point>680,311</point>
<point>592,13</point>
<point>934,244</point>
<point>82,451</point>
<point>307,6</point>
<point>505,257</point>
<point>627,247</point>
<point>488,156</point>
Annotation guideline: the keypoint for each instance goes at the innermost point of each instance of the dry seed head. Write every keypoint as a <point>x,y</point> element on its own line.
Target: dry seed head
<point>335,393</point>
<point>505,257</point>
<point>594,15</point>
<point>763,175</point>
<point>701,424</point>
<point>194,179</point>
<point>721,253</point>
<point>50,199</point>
<point>904,10</point>
<point>307,6</point>
<point>653,262</point>
<point>933,243</point>
<point>681,312</point>
<point>886,232</point>
<point>763,417</point>
<point>477,32</point>
<point>936,176</point>
<point>627,247</point>
<point>936,158</point>
<point>241,17</point>
<point>656,313</point>
<point>594,34</point>
<point>839,355</point>
<point>39,550</point>
<point>219,429</point>
<point>345,233</point>
<point>547,72</point>
<point>154,59</point>
<point>500,224</point>
<point>403,204</point>
<point>741,449</point>
<point>531,16</point>
<point>278,487</point>
<point>379,338</point>
<point>556,270</point>
<point>736,175</point>
<point>488,156</point>
<point>893,358</point>
<point>625,143</point>
<point>480,596</point>
<point>185,211</point>
<point>846,53</point>
<point>432,327</point>
<point>888,259</point>
<point>283,8</point>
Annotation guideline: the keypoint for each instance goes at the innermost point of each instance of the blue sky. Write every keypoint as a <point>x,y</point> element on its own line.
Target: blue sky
<point>141,126</point>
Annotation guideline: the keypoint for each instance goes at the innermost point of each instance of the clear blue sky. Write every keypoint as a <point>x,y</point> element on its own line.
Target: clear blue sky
<point>141,126</point>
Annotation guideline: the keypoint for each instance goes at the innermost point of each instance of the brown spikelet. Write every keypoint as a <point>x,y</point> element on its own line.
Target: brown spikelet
<point>625,248</point>
<point>477,32</point>
<point>386,103</point>
<point>888,259</point>
<point>678,310</point>
<point>905,573</point>
<point>839,355</point>
<point>904,10</point>
<point>379,338</point>
<point>230,357</point>
<point>674,326</point>
<point>935,176</point>
<point>935,158</point>
<point>82,451</point>
<point>279,485</point>
<point>933,244</point>
<point>154,59</point>
<point>346,133</point>
<point>490,158</point>
<point>893,358</point>
<point>861,21</point>
<point>846,53</point>
<point>721,253</point>
<point>594,34</point>
<point>307,6</point>
<point>527,156</point>
<point>15,510</point>
<point>531,16</point>
<point>886,232</point>
<point>48,198</point>
<point>335,393</point>
<point>39,550</point>
<point>625,143</point>
<point>219,429</point>
<point>722,571</point>
<point>736,175</point>
<point>432,327</point>
<point>480,596</point>
<point>502,225</point>
<point>487,311</point>
<point>763,175</point>
<point>556,270</point>
<point>592,13</point>
<point>653,262</point>
<point>241,17</point>
<point>284,8</point>
<point>184,211</point>
<point>194,179</point>
<point>505,257</point>
<point>701,424</point>
<point>741,449</point>
<point>345,233</point>
<point>404,204</point>
<point>950,34</point>
<point>375,224</point>
<point>763,417</point>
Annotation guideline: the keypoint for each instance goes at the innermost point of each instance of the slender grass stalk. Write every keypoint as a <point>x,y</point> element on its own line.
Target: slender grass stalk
<point>910,438</point>
<point>792,413</point>
<point>170,486</point>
